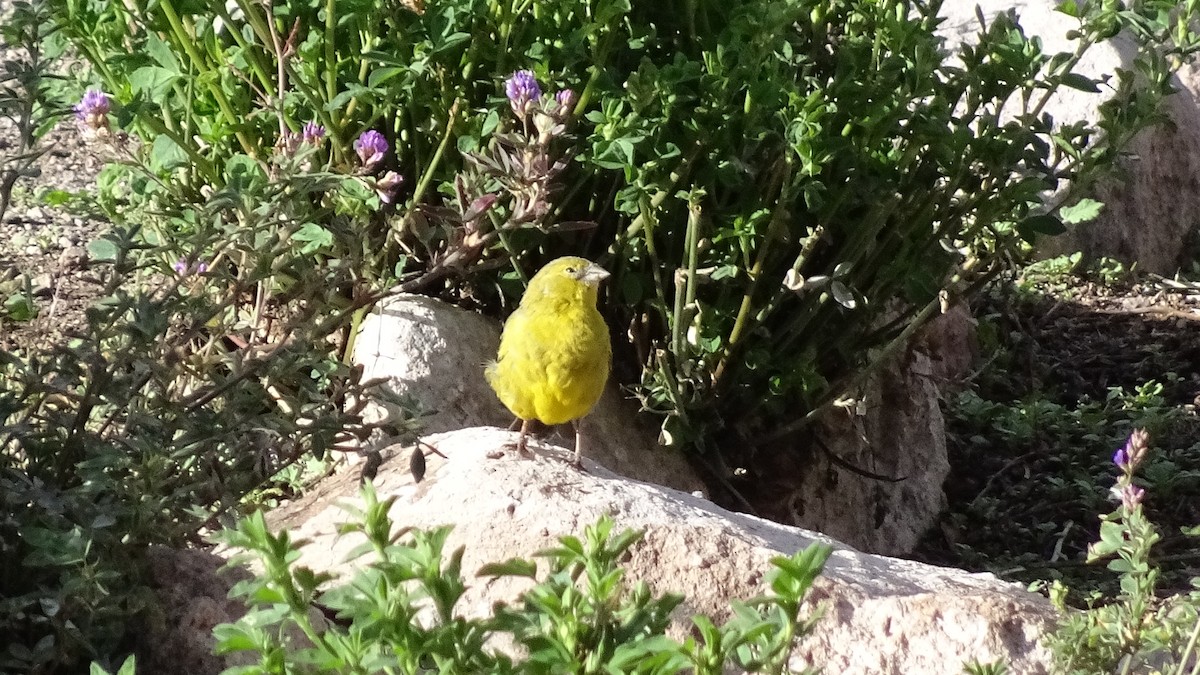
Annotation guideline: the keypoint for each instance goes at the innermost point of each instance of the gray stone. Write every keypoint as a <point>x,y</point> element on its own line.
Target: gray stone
<point>1152,201</point>
<point>42,285</point>
<point>73,258</point>
<point>435,353</point>
<point>881,615</point>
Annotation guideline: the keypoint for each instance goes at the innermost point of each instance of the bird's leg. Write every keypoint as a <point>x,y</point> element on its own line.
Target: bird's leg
<point>523,440</point>
<point>577,462</point>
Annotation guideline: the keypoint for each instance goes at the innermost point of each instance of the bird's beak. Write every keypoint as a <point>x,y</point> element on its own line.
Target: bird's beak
<point>594,274</point>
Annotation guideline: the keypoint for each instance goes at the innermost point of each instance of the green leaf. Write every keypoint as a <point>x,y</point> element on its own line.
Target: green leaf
<point>103,520</point>
<point>166,155</point>
<point>20,307</point>
<point>104,250</point>
<point>162,53</point>
<point>1081,212</point>
<point>56,197</point>
<point>1080,82</point>
<point>451,41</point>
<point>233,638</point>
<point>516,567</point>
<point>1040,224</point>
<point>1112,538</point>
<point>380,76</point>
<point>153,82</point>
<point>314,237</point>
<point>1069,7</point>
<point>354,90</point>
<point>243,172</point>
<point>842,295</point>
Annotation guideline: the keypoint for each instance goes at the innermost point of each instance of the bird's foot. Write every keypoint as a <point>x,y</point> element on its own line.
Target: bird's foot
<point>523,451</point>
<point>522,445</point>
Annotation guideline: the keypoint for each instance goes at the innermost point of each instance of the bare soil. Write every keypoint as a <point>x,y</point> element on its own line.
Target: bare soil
<point>44,249</point>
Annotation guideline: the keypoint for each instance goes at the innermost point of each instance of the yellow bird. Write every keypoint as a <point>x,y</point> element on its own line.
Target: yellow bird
<point>555,351</point>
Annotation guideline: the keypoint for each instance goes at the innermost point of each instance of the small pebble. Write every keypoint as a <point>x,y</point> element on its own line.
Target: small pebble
<point>73,258</point>
<point>42,285</point>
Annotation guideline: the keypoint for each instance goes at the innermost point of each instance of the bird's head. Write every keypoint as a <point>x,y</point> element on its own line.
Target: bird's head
<point>568,277</point>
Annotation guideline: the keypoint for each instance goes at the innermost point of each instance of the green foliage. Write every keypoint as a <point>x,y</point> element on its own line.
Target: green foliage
<point>161,414</point>
<point>1135,632</point>
<point>1061,274</point>
<point>27,91</point>
<point>786,190</point>
<point>129,667</point>
<point>786,187</point>
<point>1025,508</point>
<point>994,668</point>
<point>20,305</point>
<point>843,173</point>
<point>397,612</point>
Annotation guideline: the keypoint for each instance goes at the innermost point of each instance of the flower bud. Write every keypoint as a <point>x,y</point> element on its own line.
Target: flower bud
<point>371,148</point>
<point>92,110</point>
<point>522,89</point>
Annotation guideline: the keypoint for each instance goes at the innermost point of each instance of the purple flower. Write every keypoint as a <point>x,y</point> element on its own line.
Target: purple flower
<point>1121,458</point>
<point>387,186</point>
<point>181,267</point>
<point>371,147</point>
<point>92,110</point>
<point>1131,496</point>
<point>566,101</point>
<point>313,133</point>
<point>1129,457</point>
<point>522,89</point>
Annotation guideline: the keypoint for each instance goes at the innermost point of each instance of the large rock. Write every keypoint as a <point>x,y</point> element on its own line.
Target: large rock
<point>882,615</point>
<point>871,472</point>
<point>434,353</point>
<point>1152,201</point>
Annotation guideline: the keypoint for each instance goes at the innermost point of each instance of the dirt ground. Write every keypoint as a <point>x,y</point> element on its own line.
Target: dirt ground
<point>44,249</point>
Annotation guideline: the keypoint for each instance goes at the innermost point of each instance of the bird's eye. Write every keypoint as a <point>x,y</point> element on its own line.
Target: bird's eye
<point>571,270</point>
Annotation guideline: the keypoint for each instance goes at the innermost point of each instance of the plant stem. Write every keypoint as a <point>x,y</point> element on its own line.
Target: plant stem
<point>186,40</point>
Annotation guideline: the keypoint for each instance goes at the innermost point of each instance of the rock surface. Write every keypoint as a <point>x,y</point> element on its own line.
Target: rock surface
<point>434,353</point>
<point>882,615</point>
<point>872,473</point>
<point>1151,201</point>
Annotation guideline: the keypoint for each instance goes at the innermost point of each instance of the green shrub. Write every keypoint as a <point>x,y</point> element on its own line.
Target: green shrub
<point>27,94</point>
<point>172,403</point>
<point>397,612</point>
<point>1134,631</point>
<point>1027,479</point>
<point>786,188</point>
